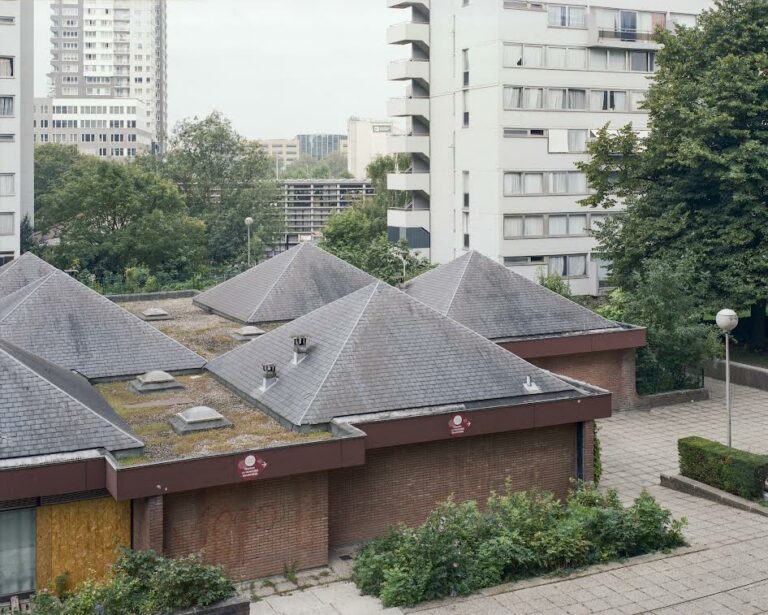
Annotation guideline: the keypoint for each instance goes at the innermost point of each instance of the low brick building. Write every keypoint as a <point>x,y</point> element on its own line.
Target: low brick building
<point>534,323</point>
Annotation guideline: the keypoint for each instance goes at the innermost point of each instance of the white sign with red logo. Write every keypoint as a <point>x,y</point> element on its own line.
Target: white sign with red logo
<point>250,467</point>
<point>458,424</point>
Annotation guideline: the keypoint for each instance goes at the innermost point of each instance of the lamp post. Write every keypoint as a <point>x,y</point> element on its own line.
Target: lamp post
<point>727,321</point>
<point>248,222</point>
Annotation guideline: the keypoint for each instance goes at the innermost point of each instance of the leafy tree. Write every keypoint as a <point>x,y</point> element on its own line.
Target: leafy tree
<point>377,172</point>
<point>663,299</point>
<point>52,161</point>
<point>113,216</point>
<point>555,283</point>
<point>696,188</point>
<point>332,166</point>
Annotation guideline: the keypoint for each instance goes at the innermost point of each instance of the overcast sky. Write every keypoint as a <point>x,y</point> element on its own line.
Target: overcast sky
<point>274,67</point>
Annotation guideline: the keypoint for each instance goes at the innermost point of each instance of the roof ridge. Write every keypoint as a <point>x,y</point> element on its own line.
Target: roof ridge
<point>11,264</point>
<point>375,286</point>
<point>70,396</point>
<point>459,282</point>
<point>31,292</point>
<point>272,286</point>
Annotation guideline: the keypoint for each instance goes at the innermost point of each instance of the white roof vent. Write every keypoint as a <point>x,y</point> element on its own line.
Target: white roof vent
<point>198,418</point>
<point>155,313</point>
<point>243,334</point>
<point>152,381</point>
<point>530,386</point>
<point>270,376</point>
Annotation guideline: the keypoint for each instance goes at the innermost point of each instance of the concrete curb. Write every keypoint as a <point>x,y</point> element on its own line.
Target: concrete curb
<point>670,398</point>
<point>741,373</point>
<point>698,489</point>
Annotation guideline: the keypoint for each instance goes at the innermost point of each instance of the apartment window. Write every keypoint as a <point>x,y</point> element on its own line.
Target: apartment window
<point>577,140</point>
<point>465,227</point>
<point>567,16</point>
<point>509,261</point>
<point>132,138</point>
<point>102,151</point>
<point>7,138</point>
<point>678,19</point>
<point>516,227</point>
<point>567,224</point>
<point>88,138</point>
<point>642,61</point>
<point>465,186</point>
<point>562,98</point>
<point>566,57</point>
<point>608,59</point>
<point>7,227</point>
<point>17,542</point>
<point>636,100</point>
<point>608,100</point>
<point>513,133</point>
<point>6,106</point>
<point>596,221</point>
<point>523,183</point>
<point>6,66</point>
<point>569,266</point>
<point>552,182</point>
<point>7,20</point>
<point>6,184</point>
<point>523,98</point>
<point>465,65</point>
<point>465,107</point>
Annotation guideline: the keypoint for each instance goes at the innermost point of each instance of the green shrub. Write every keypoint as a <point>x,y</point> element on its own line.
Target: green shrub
<point>597,458</point>
<point>730,469</point>
<point>460,549</point>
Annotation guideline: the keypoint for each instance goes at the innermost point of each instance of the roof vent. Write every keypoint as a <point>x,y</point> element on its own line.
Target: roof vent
<point>300,348</point>
<point>152,381</point>
<point>155,313</point>
<point>243,334</point>
<point>198,418</point>
<point>530,386</point>
<point>270,376</point>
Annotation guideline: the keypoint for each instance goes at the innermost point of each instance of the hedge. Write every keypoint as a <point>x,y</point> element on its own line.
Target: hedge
<point>730,469</point>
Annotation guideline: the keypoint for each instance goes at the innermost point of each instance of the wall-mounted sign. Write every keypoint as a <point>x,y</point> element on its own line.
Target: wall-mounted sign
<point>458,424</point>
<point>250,467</point>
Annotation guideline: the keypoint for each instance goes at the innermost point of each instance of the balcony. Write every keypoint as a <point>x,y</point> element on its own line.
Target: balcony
<point>412,182</point>
<point>409,144</point>
<point>406,4</point>
<point>401,70</point>
<point>409,107</point>
<point>601,36</point>
<point>408,32</point>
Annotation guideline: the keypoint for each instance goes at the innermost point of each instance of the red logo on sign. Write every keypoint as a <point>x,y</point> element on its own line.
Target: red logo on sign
<point>458,424</point>
<point>250,467</point>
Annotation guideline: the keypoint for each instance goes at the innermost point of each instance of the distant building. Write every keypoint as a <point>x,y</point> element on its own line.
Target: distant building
<point>367,141</point>
<point>16,147</point>
<point>104,127</point>
<point>284,151</point>
<point>309,203</point>
<point>112,49</point>
<point>321,145</point>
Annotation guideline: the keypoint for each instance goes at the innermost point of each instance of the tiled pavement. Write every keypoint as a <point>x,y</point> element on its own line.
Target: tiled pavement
<point>725,570</point>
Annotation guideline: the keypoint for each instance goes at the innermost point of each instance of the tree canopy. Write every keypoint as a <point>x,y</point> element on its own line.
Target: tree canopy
<point>332,166</point>
<point>696,189</point>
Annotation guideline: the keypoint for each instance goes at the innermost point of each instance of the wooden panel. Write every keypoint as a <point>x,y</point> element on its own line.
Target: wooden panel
<point>80,538</point>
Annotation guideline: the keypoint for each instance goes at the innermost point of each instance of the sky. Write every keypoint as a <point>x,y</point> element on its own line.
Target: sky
<point>276,68</point>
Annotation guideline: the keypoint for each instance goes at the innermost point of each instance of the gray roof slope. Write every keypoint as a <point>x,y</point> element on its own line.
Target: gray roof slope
<point>377,350</point>
<point>21,271</point>
<point>497,303</point>
<point>47,409</point>
<point>285,286</point>
<point>67,323</point>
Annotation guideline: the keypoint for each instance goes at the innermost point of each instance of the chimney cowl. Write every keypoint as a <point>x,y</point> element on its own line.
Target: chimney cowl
<point>300,348</point>
<point>270,375</point>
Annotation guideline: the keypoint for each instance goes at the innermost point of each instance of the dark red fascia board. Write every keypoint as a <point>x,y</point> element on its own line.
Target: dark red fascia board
<point>126,483</point>
<point>576,344</point>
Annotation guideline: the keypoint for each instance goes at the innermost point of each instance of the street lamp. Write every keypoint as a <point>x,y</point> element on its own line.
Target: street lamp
<point>727,321</point>
<point>248,222</point>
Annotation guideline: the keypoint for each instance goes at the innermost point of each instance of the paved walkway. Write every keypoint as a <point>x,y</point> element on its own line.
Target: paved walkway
<point>724,571</point>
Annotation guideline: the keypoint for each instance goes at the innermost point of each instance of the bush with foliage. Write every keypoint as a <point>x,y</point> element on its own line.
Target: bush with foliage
<point>555,283</point>
<point>460,548</point>
<point>730,469</point>
<point>143,583</point>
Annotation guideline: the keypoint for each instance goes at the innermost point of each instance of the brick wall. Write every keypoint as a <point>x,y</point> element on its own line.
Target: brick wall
<point>613,370</point>
<point>254,529</point>
<point>404,483</point>
<point>147,526</point>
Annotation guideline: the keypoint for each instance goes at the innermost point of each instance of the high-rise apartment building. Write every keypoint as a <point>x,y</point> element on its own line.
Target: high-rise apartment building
<point>112,49</point>
<point>502,99</point>
<point>16,146</point>
<point>367,140</point>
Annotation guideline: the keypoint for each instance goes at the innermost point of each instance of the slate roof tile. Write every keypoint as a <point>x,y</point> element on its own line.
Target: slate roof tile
<point>21,271</point>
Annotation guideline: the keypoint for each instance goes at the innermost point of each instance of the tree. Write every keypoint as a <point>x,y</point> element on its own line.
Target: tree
<point>113,216</point>
<point>555,283</point>
<point>696,188</point>
<point>305,167</point>
<point>224,178</point>
<point>52,161</point>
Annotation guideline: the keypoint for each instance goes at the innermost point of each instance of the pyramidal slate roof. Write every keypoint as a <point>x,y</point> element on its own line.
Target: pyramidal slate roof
<point>285,286</point>
<point>497,303</point>
<point>47,409</point>
<point>21,271</point>
<point>67,323</point>
<point>378,350</point>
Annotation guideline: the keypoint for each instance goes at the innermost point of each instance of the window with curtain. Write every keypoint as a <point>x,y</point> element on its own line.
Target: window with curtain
<point>577,265</point>
<point>513,226</point>
<point>6,184</point>
<point>596,221</point>
<point>558,225</point>
<point>617,59</point>
<point>637,100</point>
<point>577,16</point>
<point>678,19</point>
<point>638,61</point>
<point>555,98</point>
<point>559,182</point>
<point>533,183</point>
<point>17,551</point>
<point>513,97</point>
<point>619,101</point>
<point>6,223</point>
<point>533,226</point>
<point>577,99</point>
<point>6,67</point>
<point>513,55</point>
<point>576,58</point>
<point>558,15</point>
<point>556,57</point>
<point>533,55</point>
<point>577,224</point>
<point>598,59</point>
<point>6,105</point>
<point>513,183</point>
<point>534,98</point>
<point>577,140</point>
<point>577,182</point>
<point>557,265</point>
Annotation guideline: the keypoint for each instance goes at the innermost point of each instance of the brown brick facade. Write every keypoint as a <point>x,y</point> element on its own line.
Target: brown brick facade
<point>253,529</point>
<point>404,483</point>
<point>147,524</point>
<point>613,370</point>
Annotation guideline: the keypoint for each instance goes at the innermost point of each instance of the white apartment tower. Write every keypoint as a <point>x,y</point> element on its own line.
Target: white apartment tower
<point>16,146</point>
<point>112,49</point>
<point>502,98</point>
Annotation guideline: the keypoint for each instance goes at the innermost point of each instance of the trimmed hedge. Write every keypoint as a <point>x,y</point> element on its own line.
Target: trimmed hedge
<point>730,469</point>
